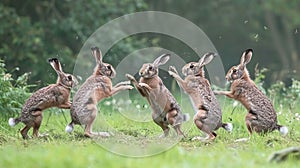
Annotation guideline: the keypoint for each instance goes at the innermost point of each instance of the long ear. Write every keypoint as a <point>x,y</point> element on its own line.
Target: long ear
<point>207,58</point>
<point>161,60</point>
<point>246,57</point>
<point>55,65</point>
<point>97,54</point>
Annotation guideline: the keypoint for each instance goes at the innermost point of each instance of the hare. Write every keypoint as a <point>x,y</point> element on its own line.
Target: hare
<point>261,116</point>
<point>54,95</point>
<point>166,111</point>
<point>97,87</point>
<point>208,115</point>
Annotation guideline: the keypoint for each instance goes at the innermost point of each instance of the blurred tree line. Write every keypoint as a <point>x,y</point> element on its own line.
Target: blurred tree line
<point>32,31</point>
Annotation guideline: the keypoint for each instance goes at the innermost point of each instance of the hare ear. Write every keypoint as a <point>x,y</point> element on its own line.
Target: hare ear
<point>55,65</point>
<point>161,60</point>
<point>97,54</point>
<point>246,57</point>
<point>207,58</point>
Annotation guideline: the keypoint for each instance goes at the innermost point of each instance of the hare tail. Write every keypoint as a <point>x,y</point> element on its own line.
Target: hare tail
<point>13,121</point>
<point>282,129</point>
<point>228,126</point>
<point>70,127</point>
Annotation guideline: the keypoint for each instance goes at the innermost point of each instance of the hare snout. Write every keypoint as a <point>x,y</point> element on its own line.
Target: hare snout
<point>230,77</point>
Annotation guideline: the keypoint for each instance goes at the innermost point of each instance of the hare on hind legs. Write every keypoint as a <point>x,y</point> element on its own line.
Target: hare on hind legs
<point>165,110</point>
<point>208,115</point>
<point>261,117</point>
<point>54,95</point>
<point>97,87</point>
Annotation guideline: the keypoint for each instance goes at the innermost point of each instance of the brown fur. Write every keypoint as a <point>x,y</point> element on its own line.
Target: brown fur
<point>208,115</point>
<point>261,115</point>
<point>165,110</point>
<point>97,87</point>
<point>54,95</point>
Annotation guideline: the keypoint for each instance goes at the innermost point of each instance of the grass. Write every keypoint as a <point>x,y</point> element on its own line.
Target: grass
<point>132,138</point>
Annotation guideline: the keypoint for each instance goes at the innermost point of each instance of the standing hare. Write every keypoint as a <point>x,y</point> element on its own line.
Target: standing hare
<point>166,111</point>
<point>97,87</point>
<point>261,116</point>
<point>54,95</point>
<point>208,115</point>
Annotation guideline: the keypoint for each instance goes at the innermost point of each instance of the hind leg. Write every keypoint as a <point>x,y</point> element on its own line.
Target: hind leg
<point>198,120</point>
<point>24,131</point>
<point>36,126</point>
<point>162,123</point>
<point>249,123</point>
<point>165,128</point>
<point>89,125</point>
<point>172,120</point>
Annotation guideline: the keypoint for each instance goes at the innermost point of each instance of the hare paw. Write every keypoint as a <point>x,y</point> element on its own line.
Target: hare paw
<point>173,69</point>
<point>143,85</point>
<point>129,87</point>
<point>171,73</point>
<point>130,77</point>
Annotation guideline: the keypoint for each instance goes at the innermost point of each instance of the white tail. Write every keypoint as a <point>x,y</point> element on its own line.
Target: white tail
<point>69,128</point>
<point>11,122</point>
<point>228,127</point>
<point>283,130</point>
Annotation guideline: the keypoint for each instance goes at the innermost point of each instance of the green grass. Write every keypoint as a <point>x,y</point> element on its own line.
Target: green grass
<point>60,149</point>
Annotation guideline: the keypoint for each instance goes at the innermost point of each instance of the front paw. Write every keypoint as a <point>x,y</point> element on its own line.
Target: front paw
<point>130,77</point>
<point>129,87</point>
<point>171,73</point>
<point>172,69</point>
<point>217,92</point>
<point>124,83</point>
<point>143,85</point>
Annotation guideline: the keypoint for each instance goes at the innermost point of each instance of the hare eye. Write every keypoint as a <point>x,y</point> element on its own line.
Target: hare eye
<point>191,66</point>
<point>108,67</point>
<point>150,68</point>
<point>69,77</point>
<point>234,70</point>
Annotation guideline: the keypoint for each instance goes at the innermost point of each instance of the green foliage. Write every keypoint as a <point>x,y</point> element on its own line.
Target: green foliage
<point>13,92</point>
<point>33,31</point>
<point>259,78</point>
<point>286,95</point>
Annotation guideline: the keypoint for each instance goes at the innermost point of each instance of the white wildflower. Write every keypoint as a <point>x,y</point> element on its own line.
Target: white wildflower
<point>235,103</point>
<point>7,76</point>
<point>145,106</point>
<point>113,101</point>
<point>107,103</point>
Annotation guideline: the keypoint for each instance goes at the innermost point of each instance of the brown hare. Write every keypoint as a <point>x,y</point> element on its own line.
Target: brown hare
<point>54,95</point>
<point>208,115</point>
<point>261,116</point>
<point>166,111</point>
<point>97,87</point>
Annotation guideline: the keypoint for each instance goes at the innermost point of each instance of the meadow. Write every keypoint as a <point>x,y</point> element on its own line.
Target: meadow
<point>135,138</point>
<point>136,143</point>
